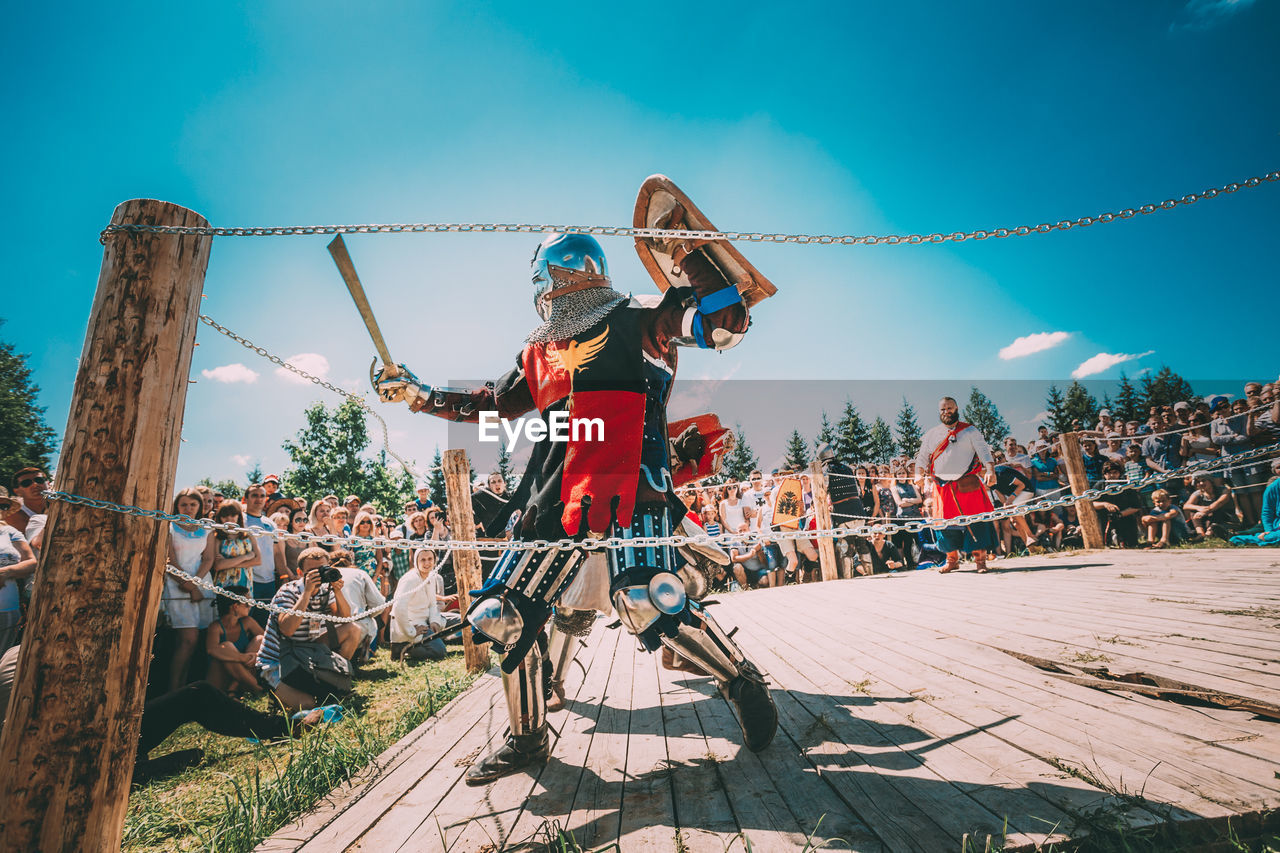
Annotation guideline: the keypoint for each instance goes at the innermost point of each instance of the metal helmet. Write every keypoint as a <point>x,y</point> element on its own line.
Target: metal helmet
<point>569,263</point>
<point>826,453</point>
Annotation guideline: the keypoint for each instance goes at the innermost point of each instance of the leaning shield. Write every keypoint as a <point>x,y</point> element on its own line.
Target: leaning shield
<point>717,442</point>
<point>661,204</point>
<point>788,504</point>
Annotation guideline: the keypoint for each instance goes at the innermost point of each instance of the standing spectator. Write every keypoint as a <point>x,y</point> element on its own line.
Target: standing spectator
<point>1182,412</point>
<point>885,504</point>
<point>235,554</point>
<point>366,556</point>
<point>952,454</point>
<point>339,522</point>
<point>28,485</point>
<point>1163,450</point>
<point>1197,446</point>
<point>1014,488</point>
<point>1164,519</point>
<point>184,605</point>
<point>206,501</point>
<point>733,511</point>
<point>17,562</point>
<point>298,519</point>
<point>232,642</point>
<point>270,547</point>
<point>321,510</point>
<point>1211,509</point>
<point>1229,431</point>
<point>423,501</point>
<point>1093,461</point>
<point>909,506</point>
<point>1135,464</point>
<point>295,687</point>
<point>1016,456</point>
<point>754,499</point>
<point>415,612</point>
<point>1105,425</point>
<point>1044,469</point>
<point>711,520</point>
<point>847,507</point>
<point>1115,448</point>
<point>352,504</point>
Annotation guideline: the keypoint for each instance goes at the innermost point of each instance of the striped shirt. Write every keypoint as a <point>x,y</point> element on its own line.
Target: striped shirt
<point>308,629</point>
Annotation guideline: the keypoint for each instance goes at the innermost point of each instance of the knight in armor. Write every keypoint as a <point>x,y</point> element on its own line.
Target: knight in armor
<point>599,357</point>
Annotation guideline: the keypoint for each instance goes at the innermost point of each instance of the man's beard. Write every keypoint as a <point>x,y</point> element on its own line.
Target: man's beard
<point>949,418</point>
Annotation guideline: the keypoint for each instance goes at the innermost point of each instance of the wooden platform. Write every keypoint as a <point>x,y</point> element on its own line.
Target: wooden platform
<point>906,724</point>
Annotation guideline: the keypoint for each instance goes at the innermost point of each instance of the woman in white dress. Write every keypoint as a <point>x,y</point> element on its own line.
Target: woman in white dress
<point>187,607</point>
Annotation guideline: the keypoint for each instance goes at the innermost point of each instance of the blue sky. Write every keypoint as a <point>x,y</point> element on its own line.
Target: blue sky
<point>827,119</point>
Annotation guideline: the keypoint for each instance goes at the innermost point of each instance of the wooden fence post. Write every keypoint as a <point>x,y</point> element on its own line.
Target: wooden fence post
<point>822,508</point>
<point>466,563</point>
<point>71,735</point>
<point>1090,529</point>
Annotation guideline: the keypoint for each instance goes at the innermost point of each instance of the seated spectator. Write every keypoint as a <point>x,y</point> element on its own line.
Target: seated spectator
<point>17,562</point>
<point>1164,519</point>
<point>750,565</point>
<point>1268,532</point>
<point>1118,514</point>
<point>294,685</point>
<point>1135,464</point>
<point>233,641</point>
<point>362,595</point>
<point>1211,509</point>
<point>883,556</point>
<point>1047,527</point>
<point>415,612</point>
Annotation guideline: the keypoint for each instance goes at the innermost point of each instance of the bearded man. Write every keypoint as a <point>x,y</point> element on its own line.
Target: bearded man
<point>953,453</point>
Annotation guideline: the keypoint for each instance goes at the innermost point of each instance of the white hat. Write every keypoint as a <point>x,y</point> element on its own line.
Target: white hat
<point>1104,413</point>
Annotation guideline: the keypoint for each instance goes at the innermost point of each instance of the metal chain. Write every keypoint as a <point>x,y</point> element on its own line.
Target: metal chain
<point>668,233</point>
<point>205,584</point>
<point>614,543</point>
<point>360,401</point>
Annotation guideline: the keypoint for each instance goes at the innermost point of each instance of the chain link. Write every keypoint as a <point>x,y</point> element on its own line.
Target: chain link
<point>359,400</point>
<point>668,233</point>
<point>205,584</point>
<point>724,539</point>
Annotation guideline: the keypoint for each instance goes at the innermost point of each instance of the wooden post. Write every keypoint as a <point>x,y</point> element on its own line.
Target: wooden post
<point>466,563</point>
<point>68,747</point>
<point>1089,527</point>
<point>822,508</point>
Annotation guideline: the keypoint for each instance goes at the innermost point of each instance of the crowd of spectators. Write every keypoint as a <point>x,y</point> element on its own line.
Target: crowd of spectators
<point>1229,505</point>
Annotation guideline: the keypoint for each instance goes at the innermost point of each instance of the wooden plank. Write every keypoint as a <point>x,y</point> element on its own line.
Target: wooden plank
<point>350,810</point>
<point>648,813</point>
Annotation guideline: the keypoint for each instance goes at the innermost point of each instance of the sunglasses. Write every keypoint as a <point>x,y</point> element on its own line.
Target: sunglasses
<point>22,484</point>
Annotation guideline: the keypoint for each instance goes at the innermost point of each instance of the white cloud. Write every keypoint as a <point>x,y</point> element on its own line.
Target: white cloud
<point>241,460</point>
<point>1203,14</point>
<point>1028,344</point>
<point>1038,418</point>
<point>230,373</point>
<point>1140,372</point>
<point>312,362</point>
<point>1104,361</point>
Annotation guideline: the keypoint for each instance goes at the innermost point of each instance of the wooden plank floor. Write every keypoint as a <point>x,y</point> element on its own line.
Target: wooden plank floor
<point>905,724</point>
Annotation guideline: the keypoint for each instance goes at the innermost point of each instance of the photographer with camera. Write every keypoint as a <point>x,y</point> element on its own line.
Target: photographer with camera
<point>298,661</point>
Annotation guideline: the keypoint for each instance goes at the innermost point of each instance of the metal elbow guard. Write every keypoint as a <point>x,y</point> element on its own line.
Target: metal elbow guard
<point>497,619</point>
<point>640,606</point>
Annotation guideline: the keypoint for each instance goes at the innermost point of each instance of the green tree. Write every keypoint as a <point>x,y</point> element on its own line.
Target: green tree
<point>25,438</point>
<point>1128,402</point>
<point>853,438</point>
<point>435,481</point>
<point>1081,405</point>
<point>826,435</point>
<point>1164,389</point>
<point>797,455</point>
<point>909,433</point>
<point>742,460</point>
<point>253,475</point>
<point>226,488</point>
<point>504,467</point>
<point>328,456</point>
<point>1055,405</point>
<point>881,447</point>
<point>983,414</point>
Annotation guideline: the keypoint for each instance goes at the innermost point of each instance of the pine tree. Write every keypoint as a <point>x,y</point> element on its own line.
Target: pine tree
<point>742,461</point>
<point>435,482</point>
<point>1165,389</point>
<point>1108,403</point>
<point>25,438</point>
<point>881,447</point>
<point>1080,405</point>
<point>797,455</point>
<point>1055,405</point>
<point>253,475</point>
<point>984,415</point>
<point>1128,403</point>
<point>908,430</point>
<point>826,435</point>
<point>853,438</point>
<point>504,467</point>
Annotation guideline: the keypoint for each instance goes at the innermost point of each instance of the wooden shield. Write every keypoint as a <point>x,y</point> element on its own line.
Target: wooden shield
<point>788,504</point>
<point>661,204</point>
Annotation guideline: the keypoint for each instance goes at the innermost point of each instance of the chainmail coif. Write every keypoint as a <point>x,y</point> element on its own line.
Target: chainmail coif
<point>574,313</point>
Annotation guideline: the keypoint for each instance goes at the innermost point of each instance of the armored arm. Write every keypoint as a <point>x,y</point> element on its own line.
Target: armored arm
<point>509,396</point>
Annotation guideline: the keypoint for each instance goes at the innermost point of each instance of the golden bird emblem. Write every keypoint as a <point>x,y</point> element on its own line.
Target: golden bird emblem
<point>578,355</point>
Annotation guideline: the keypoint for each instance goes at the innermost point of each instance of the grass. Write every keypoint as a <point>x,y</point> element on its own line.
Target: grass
<point>240,793</point>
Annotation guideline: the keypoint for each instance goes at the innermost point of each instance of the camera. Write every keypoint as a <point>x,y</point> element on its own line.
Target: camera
<point>329,574</point>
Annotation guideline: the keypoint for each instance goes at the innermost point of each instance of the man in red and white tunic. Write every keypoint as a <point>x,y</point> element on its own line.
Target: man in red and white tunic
<point>959,459</point>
